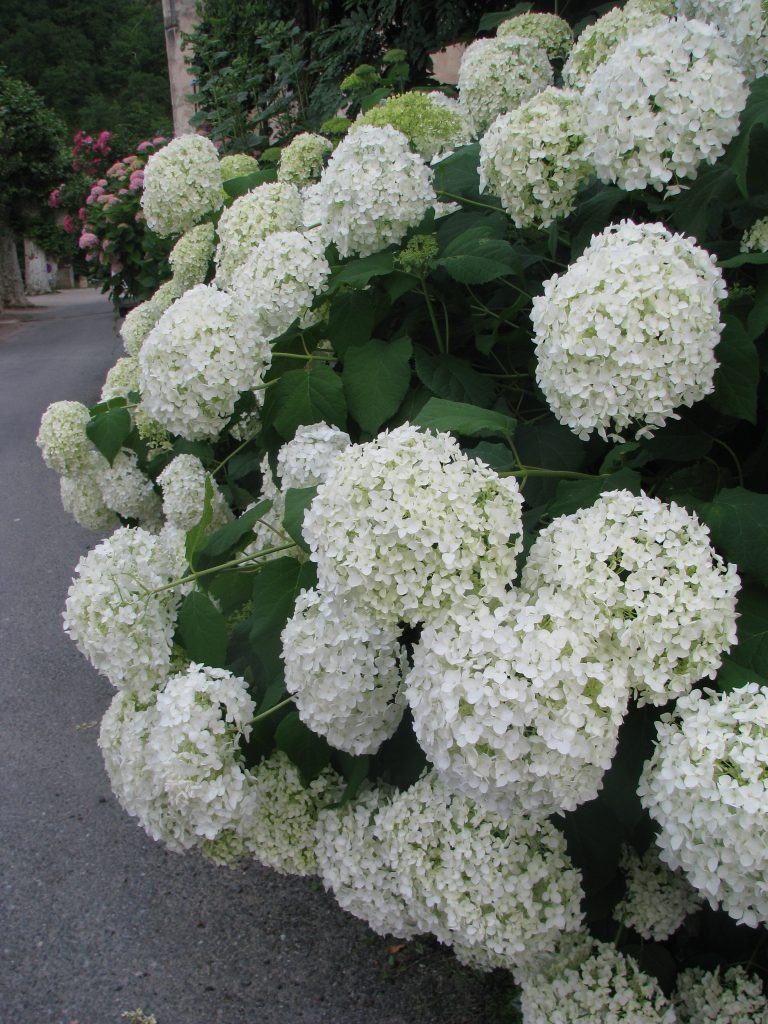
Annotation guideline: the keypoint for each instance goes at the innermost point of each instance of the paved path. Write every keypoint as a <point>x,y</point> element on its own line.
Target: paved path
<point>96,918</point>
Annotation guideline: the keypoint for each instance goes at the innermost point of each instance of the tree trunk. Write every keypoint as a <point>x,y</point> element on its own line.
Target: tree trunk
<point>11,283</point>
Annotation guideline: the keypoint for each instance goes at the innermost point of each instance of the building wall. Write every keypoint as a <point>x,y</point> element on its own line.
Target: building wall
<point>179,17</point>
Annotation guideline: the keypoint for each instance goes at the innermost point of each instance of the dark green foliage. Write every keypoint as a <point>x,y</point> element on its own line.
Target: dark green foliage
<point>97,64</point>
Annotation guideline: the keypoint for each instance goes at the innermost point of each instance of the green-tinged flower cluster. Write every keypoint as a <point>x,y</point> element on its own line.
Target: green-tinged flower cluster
<point>549,31</point>
<point>430,127</point>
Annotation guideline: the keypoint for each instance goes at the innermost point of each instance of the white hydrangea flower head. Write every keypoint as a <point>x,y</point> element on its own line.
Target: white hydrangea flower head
<point>121,379</point>
<point>599,41</point>
<point>126,490</point>
<point>497,75</point>
<point>519,706</point>
<point>590,982</point>
<point>744,23</point>
<point>345,672</point>
<point>713,997</point>
<point>373,189</point>
<point>306,460</point>
<point>432,128</point>
<point>237,165</point>
<point>650,569</point>
<point>667,99</point>
<point>183,485</point>
<point>193,751</point>
<point>62,440</point>
<point>755,239</point>
<point>190,258</point>
<point>197,360</point>
<point>707,787</point>
<point>407,524</point>
<point>252,218</point>
<point>549,31</point>
<point>281,834</point>
<point>357,867</point>
<point>81,498</point>
<point>628,333</point>
<point>138,322</point>
<point>122,627</point>
<point>279,279</point>
<point>303,159</point>
<point>532,158</point>
<point>182,184</point>
<point>657,900</point>
<point>524,890</point>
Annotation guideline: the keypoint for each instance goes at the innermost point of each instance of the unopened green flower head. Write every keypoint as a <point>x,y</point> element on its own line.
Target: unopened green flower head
<point>429,127</point>
<point>302,161</point>
<point>335,126</point>
<point>365,76</point>
<point>236,165</point>
<point>549,31</point>
<point>417,256</point>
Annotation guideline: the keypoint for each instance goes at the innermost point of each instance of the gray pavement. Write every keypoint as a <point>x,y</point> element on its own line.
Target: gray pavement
<point>96,918</point>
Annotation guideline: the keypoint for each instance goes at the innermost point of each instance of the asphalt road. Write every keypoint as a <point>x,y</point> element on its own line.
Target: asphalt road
<point>96,918</point>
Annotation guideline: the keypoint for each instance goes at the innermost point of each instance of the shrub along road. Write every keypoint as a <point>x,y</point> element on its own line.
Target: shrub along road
<point>97,918</point>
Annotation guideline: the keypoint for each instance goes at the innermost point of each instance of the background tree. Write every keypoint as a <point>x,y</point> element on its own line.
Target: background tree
<point>31,163</point>
<point>96,63</point>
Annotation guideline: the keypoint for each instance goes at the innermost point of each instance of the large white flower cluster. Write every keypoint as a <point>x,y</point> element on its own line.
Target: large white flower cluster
<point>592,982</point>
<point>281,835</point>
<point>182,184</point>
<point>407,524</point>
<point>707,787</point>
<point>497,75</point>
<point>279,279</point>
<point>373,189</point>
<point>715,997</point>
<point>668,98</point>
<point>549,31</point>
<point>126,490</point>
<point>237,165</point>
<point>138,322</point>
<point>122,627</point>
<point>355,864</point>
<point>173,758</point>
<point>121,379</point>
<point>303,159</point>
<point>183,485</point>
<point>306,460</point>
<point>755,239</point>
<point>400,861</point>
<point>649,571</point>
<point>599,41</point>
<point>344,671</point>
<point>82,499</point>
<point>197,360</point>
<point>249,220</point>
<point>627,334</point>
<point>744,23</point>
<point>519,707</point>
<point>62,440</point>
<point>432,127</point>
<point>532,158</point>
<point>657,900</point>
<point>190,258</point>
<point>524,891</point>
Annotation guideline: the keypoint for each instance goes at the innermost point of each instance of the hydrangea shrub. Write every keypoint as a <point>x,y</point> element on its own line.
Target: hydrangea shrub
<point>436,474</point>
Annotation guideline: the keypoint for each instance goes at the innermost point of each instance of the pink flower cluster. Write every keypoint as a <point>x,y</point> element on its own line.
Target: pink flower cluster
<point>88,154</point>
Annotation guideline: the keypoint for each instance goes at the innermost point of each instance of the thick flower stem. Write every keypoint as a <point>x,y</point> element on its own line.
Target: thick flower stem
<point>224,565</point>
<point>270,711</point>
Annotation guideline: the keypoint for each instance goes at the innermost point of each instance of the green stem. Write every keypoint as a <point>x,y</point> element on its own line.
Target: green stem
<point>463,199</point>
<point>224,461</point>
<point>217,568</point>
<point>566,474</point>
<point>304,358</point>
<point>271,711</point>
<point>433,318</point>
<point>733,455</point>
